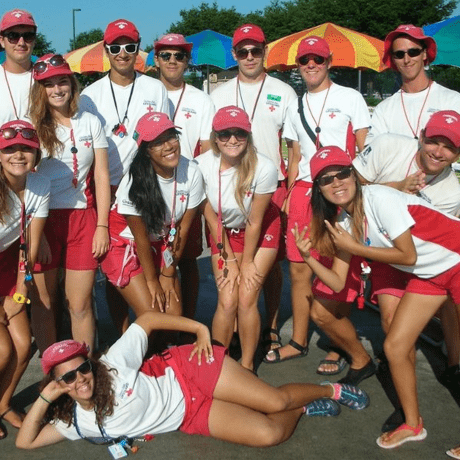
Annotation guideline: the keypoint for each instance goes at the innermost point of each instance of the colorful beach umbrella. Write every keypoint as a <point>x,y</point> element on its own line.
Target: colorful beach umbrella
<point>349,48</point>
<point>93,58</point>
<point>447,36</point>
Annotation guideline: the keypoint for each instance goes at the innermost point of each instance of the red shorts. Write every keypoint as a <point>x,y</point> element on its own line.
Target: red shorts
<point>70,235</point>
<point>388,280</point>
<point>270,233</point>
<point>9,261</point>
<point>300,212</point>
<point>352,287</point>
<point>197,383</point>
<point>194,243</point>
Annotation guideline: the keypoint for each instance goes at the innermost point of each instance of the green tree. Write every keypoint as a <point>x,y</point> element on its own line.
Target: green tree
<point>86,38</point>
<point>42,46</point>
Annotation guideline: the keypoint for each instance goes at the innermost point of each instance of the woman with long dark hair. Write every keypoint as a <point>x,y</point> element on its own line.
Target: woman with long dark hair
<point>24,199</point>
<point>149,222</point>
<point>75,161</point>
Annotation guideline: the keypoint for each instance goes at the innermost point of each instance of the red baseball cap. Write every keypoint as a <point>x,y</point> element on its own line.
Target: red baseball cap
<point>152,125</point>
<point>19,125</point>
<point>49,66</point>
<point>173,40</point>
<point>444,123</point>
<point>328,156</point>
<point>248,32</point>
<point>121,28</point>
<point>17,18</point>
<point>231,117</point>
<point>413,32</point>
<point>313,45</point>
<point>60,352</point>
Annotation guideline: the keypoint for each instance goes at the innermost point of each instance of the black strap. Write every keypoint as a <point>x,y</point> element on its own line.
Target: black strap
<point>307,128</point>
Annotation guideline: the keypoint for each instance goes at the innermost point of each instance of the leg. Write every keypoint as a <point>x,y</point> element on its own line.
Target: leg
<point>450,327</point>
<point>136,294</point>
<point>118,307</point>
<point>387,305</point>
<point>272,298</point>
<point>190,282</point>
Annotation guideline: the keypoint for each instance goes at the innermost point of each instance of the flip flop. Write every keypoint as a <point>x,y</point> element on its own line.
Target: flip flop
<point>279,359</point>
<point>452,454</point>
<point>341,363</point>
<point>418,434</point>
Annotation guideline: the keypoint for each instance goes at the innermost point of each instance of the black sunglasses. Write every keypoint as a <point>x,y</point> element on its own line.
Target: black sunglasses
<point>225,136</point>
<point>54,61</point>
<point>14,37</point>
<point>345,173</point>
<point>243,53</point>
<point>11,133</point>
<point>129,48</point>
<point>71,376</point>
<point>179,56</point>
<point>411,52</point>
<point>318,60</point>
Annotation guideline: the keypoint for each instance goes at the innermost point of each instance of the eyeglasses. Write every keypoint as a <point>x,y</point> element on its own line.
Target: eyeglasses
<point>243,53</point>
<point>411,52</point>
<point>318,60</point>
<point>71,376</point>
<point>14,37</point>
<point>11,133</point>
<point>129,48</point>
<point>54,61</point>
<point>345,173</point>
<point>179,56</point>
<point>158,143</point>
<point>225,136</point>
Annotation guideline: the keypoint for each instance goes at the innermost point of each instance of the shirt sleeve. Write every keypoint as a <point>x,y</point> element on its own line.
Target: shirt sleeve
<point>267,176</point>
<point>289,130</point>
<point>206,120</point>
<point>360,117</point>
<point>196,186</point>
<point>99,138</point>
<point>124,205</point>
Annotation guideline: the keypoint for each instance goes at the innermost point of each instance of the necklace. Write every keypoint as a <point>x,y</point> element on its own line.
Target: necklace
<point>120,129</point>
<point>415,133</point>
<point>11,94</point>
<point>318,129</point>
<point>74,152</point>
<point>169,240</point>
<point>178,103</point>
<point>238,93</point>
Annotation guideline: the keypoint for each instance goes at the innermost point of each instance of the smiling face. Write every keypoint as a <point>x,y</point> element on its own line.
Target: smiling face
<point>18,53</point>
<point>59,92</point>
<point>164,152</point>
<point>435,154</point>
<point>233,149</point>
<point>315,76</point>
<point>122,63</point>
<point>340,192</point>
<point>171,67</point>
<point>410,68</point>
<point>17,161</point>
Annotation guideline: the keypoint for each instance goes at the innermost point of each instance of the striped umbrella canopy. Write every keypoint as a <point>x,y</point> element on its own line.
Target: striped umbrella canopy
<point>349,48</point>
<point>93,58</point>
<point>447,36</point>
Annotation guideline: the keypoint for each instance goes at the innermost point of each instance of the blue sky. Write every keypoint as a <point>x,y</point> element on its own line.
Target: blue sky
<point>54,17</point>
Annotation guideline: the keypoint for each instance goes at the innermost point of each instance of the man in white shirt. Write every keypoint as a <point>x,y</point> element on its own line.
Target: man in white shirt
<point>18,33</point>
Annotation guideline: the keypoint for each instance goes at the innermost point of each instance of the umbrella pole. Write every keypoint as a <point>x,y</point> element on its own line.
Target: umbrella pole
<point>207,76</point>
<point>359,80</point>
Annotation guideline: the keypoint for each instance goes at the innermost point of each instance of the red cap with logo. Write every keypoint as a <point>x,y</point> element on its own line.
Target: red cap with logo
<point>177,40</point>
<point>231,117</point>
<point>8,138</point>
<point>121,28</point>
<point>49,66</point>
<point>60,352</point>
<point>444,123</point>
<point>248,32</point>
<point>16,18</point>
<point>413,32</point>
<point>152,125</point>
<point>328,156</point>
<point>313,45</point>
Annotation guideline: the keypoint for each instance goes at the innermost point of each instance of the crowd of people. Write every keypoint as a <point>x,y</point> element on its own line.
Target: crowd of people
<point>122,175</point>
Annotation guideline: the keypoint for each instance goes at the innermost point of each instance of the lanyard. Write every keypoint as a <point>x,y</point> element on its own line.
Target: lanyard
<point>120,129</point>
<point>11,94</point>
<point>24,265</point>
<point>104,439</point>
<point>318,129</point>
<point>415,133</point>
<point>220,245</point>
<point>410,167</point>
<point>238,91</point>
<point>74,152</point>
<point>178,103</point>
<point>168,241</point>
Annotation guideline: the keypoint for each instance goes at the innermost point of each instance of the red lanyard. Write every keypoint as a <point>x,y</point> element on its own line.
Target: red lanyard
<point>220,225</point>
<point>318,129</point>
<point>238,91</point>
<point>415,133</point>
<point>74,152</point>
<point>178,103</point>
<point>11,94</point>
<point>172,231</point>
<point>410,167</point>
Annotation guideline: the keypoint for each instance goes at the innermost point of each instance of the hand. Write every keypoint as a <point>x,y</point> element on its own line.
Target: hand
<point>158,295</point>
<point>341,238</point>
<point>168,285</point>
<point>44,251</point>
<point>303,243</point>
<point>53,390</point>
<point>101,242</point>
<point>230,276</point>
<point>202,345</point>
<point>413,183</point>
<point>250,276</point>
<point>11,307</point>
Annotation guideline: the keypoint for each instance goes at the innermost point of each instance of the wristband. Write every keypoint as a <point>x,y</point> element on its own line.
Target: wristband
<point>44,399</point>
<point>21,299</point>
<point>167,276</point>
<point>105,226</point>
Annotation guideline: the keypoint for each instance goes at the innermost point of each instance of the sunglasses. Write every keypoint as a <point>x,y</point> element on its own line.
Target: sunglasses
<point>345,173</point>
<point>225,136</point>
<point>14,37</point>
<point>411,52</point>
<point>71,376</point>
<point>11,133</point>
<point>318,60</point>
<point>54,61</point>
<point>243,53</point>
<point>129,48</point>
<point>159,142</point>
<point>179,56</point>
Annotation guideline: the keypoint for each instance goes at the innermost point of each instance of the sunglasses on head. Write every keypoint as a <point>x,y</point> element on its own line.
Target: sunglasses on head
<point>54,61</point>
<point>318,60</point>
<point>243,53</point>
<point>14,37</point>
<point>71,376</point>
<point>11,133</point>
<point>179,56</point>
<point>411,52</point>
<point>129,48</point>
<point>345,173</point>
<point>225,136</point>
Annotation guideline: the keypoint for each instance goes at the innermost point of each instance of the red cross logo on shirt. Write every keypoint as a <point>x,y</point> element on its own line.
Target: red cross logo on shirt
<point>272,109</point>
<point>182,198</point>
<point>248,193</point>
<point>129,392</point>
<point>149,109</point>
<point>332,115</point>
<point>88,144</point>
<point>187,115</point>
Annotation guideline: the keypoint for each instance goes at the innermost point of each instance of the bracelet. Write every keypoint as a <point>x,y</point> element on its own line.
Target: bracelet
<point>105,226</point>
<point>20,299</point>
<point>167,276</point>
<point>44,399</point>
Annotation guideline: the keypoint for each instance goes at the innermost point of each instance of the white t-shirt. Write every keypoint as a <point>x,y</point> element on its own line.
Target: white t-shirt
<point>149,95</point>
<point>269,115</point>
<point>390,213</point>
<point>89,135</point>
<point>194,117</point>
<point>19,84</point>
<point>36,200</point>
<point>391,157</point>
<point>265,181</point>
<point>189,194</point>
<point>143,404</point>
<point>341,106</point>
<point>389,117</point>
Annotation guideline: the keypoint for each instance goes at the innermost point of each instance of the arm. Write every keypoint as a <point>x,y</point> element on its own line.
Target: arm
<point>361,138</point>
<point>102,184</point>
<point>205,146</point>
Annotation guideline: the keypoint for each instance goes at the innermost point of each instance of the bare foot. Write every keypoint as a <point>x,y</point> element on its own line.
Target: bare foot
<point>454,452</point>
<point>13,418</point>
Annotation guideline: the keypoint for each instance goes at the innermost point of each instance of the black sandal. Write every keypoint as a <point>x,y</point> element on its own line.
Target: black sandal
<point>278,359</point>
<point>267,342</point>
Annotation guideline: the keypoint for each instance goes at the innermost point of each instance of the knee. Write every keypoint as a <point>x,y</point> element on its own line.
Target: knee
<point>267,434</point>
<point>6,352</point>
<point>319,315</point>
<point>300,275</point>
<point>81,309</point>
<point>227,306</point>
<point>395,350</point>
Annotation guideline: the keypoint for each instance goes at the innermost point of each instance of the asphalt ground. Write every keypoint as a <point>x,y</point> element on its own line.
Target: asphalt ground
<point>351,436</point>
